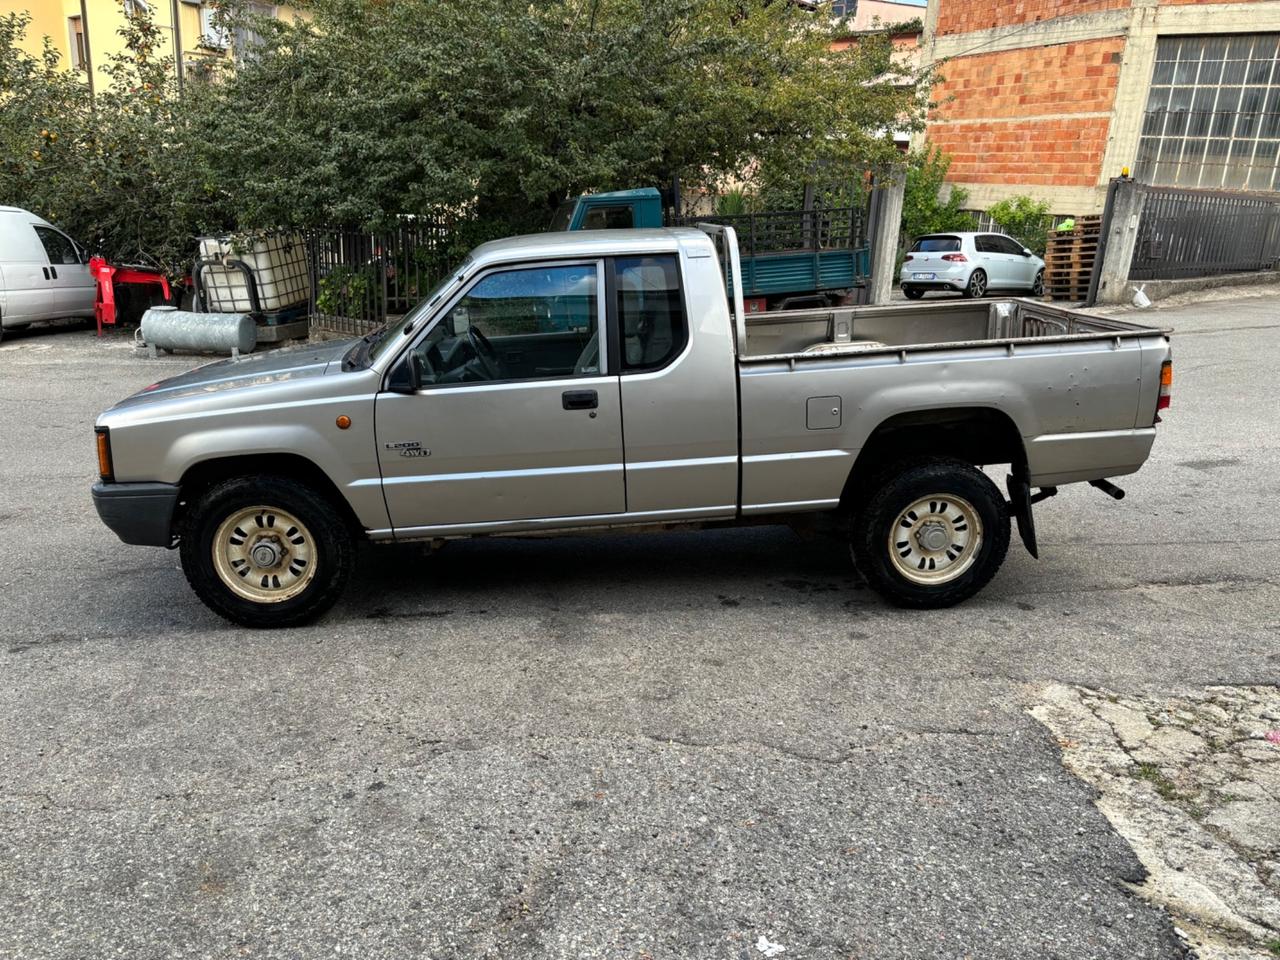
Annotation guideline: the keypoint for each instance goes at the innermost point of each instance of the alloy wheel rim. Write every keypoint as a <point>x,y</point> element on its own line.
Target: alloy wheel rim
<point>935,540</point>
<point>264,554</point>
<point>978,283</point>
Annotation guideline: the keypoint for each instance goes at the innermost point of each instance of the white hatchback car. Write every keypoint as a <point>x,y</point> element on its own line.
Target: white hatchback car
<point>971,263</point>
<point>44,274</point>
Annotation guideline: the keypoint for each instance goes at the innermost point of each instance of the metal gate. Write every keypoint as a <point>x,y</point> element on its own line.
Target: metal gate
<point>1199,233</point>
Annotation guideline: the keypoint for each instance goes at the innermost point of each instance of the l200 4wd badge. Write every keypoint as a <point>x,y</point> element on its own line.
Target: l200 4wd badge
<point>409,448</point>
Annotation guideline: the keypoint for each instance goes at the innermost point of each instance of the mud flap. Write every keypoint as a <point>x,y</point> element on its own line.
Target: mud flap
<point>1020,502</point>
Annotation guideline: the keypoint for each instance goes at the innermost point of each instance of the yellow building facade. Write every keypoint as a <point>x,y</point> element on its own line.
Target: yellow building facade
<point>86,33</point>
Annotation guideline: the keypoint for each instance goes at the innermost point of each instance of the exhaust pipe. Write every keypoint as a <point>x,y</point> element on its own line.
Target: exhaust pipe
<point>1109,488</point>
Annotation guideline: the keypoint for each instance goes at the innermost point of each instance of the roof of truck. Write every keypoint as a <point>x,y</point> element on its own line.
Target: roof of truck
<point>637,193</point>
<point>588,243</point>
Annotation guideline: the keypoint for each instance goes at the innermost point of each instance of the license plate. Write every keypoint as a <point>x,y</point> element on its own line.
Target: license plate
<point>924,276</point>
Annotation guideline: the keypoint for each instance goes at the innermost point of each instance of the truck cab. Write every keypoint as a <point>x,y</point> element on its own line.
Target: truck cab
<point>790,259</point>
<point>618,210</point>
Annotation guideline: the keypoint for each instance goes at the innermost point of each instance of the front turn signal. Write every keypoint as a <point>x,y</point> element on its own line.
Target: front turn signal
<point>105,469</point>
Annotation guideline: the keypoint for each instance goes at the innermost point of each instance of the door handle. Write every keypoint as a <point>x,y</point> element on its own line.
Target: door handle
<point>580,399</point>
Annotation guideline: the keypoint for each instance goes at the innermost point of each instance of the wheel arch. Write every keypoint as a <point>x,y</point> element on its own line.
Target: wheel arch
<point>205,474</point>
<point>977,435</point>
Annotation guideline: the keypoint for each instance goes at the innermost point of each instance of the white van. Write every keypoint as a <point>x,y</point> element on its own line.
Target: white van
<point>44,274</point>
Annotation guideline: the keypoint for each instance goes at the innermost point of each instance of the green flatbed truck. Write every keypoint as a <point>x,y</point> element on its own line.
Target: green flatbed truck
<point>790,259</point>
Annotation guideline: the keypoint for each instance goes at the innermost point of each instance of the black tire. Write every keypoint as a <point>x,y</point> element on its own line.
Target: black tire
<point>912,293</point>
<point>900,489</point>
<point>332,545</point>
<point>977,285</point>
<point>1037,286</point>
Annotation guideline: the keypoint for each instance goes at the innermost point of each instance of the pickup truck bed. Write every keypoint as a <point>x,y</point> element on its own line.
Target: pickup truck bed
<point>633,392</point>
<point>1077,388</point>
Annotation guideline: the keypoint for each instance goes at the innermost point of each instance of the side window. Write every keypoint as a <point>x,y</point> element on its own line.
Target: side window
<point>59,248</point>
<point>608,218</point>
<point>523,324</point>
<point>650,310</point>
<point>1010,246</point>
<point>984,245</point>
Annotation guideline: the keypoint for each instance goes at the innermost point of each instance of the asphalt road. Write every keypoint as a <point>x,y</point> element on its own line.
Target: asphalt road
<point>662,746</point>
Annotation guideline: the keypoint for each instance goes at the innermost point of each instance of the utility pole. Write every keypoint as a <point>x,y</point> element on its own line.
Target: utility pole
<point>177,42</point>
<point>88,57</point>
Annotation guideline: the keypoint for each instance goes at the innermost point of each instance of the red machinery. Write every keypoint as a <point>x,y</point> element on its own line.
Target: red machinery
<point>107,276</point>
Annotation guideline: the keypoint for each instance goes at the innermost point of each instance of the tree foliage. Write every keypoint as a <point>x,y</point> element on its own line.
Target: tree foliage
<point>116,170</point>
<point>482,112</point>
<point>1025,219</point>
<point>928,205</point>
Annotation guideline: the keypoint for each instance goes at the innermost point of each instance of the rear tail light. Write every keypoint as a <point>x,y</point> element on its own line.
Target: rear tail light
<point>908,259</point>
<point>1166,388</point>
<point>955,258</point>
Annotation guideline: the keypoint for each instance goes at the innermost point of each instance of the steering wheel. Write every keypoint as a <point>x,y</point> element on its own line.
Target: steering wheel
<point>484,352</point>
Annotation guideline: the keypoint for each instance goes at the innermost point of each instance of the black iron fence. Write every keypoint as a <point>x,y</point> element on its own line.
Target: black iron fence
<point>1198,233</point>
<point>840,228</point>
<point>360,278</point>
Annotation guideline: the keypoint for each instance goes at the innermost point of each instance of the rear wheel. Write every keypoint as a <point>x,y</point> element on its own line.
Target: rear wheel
<point>912,293</point>
<point>977,285</point>
<point>266,551</point>
<point>932,534</point>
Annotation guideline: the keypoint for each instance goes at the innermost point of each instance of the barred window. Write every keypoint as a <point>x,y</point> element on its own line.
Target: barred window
<point>1213,114</point>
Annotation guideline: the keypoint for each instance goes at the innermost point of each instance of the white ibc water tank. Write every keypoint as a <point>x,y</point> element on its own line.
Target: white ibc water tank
<point>169,328</point>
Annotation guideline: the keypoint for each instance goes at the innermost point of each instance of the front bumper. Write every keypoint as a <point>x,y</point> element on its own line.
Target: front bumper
<point>138,513</point>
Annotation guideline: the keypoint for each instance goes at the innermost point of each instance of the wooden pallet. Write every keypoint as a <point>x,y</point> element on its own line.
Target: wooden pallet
<point>1069,260</point>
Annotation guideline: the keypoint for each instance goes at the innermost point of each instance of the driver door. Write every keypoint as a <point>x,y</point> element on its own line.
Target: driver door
<point>517,420</point>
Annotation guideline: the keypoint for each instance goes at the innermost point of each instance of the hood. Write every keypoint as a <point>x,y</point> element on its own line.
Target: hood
<point>257,369</point>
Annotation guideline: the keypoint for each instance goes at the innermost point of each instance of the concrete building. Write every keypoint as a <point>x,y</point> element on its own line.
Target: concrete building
<point>871,14</point>
<point>1052,98</point>
<point>863,17</point>
<point>87,32</point>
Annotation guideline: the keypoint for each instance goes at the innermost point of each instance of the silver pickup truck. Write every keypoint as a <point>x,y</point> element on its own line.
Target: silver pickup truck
<point>605,380</point>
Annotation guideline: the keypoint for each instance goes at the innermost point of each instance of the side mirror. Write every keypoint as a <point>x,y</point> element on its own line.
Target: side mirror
<point>406,378</point>
<point>1026,252</point>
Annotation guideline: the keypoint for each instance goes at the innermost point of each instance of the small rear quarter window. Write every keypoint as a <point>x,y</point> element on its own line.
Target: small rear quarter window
<point>936,245</point>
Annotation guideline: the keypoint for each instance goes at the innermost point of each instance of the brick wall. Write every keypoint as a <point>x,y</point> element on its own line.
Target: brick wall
<point>1067,78</point>
<point>963,16</point>
<point>1063,152</point>
<point>1022,116</point>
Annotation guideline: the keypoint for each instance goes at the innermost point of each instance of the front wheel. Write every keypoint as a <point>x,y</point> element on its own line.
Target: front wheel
<point>932,535</point>
<point>1037,285</point>
<point>266,551</point>
<point>977,285</point>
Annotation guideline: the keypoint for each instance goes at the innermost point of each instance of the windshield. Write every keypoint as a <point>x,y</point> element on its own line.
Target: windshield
<point>936,245</point>
<point>389,334</point>
<point>564,215</point>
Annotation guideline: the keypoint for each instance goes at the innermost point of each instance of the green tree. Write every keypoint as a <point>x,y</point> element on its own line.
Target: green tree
<point>928,206</point>
<point>115,171</point>
<point>1024,219</point>
<point>483,113</point>
<point>497,111</point>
